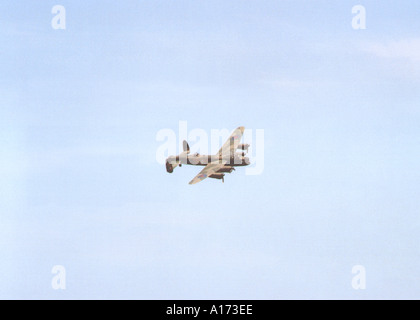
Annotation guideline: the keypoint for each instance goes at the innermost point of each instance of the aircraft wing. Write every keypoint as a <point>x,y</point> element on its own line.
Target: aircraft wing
<point>230,146</point>
<point>208,170</point>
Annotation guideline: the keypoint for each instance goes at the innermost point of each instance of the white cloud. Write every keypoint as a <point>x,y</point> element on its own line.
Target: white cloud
<point>288,83</point>
<point>45,161</point>
<point>408,49</point>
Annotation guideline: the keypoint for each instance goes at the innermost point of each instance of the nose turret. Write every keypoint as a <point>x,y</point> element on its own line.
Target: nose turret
<point>169,167</point>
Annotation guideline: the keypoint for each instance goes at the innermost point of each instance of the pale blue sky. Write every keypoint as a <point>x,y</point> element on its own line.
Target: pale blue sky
<point>80,187</point>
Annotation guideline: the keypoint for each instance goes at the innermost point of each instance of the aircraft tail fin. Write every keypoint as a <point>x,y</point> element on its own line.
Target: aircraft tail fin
<point>185,146</point>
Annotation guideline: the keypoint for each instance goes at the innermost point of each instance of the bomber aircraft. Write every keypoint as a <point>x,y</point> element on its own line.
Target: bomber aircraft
<point>215,166</point>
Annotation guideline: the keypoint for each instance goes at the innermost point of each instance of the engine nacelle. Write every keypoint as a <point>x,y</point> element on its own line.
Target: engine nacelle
<point>240,154</point>
<point>226,169</point>
<point>243,146</point>
<point>217,176</point>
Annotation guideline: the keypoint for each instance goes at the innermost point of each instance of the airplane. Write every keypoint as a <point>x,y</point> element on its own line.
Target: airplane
<point>215,165</point>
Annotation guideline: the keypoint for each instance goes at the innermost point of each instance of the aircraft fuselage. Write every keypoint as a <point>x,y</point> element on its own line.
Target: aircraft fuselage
<point>202,160</point>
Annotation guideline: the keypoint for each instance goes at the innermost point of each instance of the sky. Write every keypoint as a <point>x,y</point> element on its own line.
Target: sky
<point>81,188</point>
